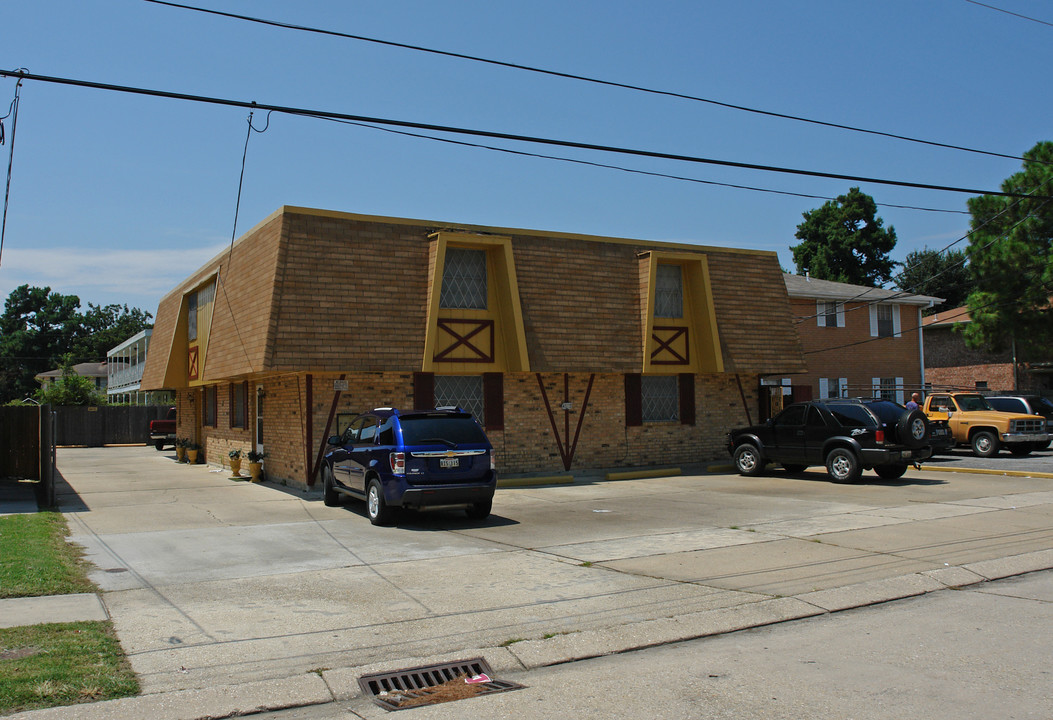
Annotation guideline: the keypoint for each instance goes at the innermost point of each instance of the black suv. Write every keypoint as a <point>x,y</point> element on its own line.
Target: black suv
<point>846,435</point>
<point>414,459</point>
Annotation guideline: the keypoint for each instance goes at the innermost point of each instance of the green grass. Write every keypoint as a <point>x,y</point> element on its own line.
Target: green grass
<point>35,558</point>
<point>58,663</point>
<point>62,664</point>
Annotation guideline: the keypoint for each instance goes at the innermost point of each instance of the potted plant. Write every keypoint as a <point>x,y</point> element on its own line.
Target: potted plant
<point>235,461</point>
<point>180,449</point>
<point>256,465</point>
<point>192,449</point>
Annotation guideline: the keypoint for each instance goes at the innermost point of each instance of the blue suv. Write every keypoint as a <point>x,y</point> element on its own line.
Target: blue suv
<point>414,459</point>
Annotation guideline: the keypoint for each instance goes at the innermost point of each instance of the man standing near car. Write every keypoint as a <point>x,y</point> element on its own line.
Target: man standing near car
<point>914,403</point>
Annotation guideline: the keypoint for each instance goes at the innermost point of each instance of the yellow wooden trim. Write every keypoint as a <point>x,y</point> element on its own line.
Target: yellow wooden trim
<point>699,314</point>
<point>510,350</point>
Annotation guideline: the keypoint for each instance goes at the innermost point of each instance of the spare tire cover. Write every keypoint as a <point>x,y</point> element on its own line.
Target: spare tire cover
<point>912,429</point>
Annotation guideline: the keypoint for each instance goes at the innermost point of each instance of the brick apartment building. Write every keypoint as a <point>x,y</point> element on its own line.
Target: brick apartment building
<point>574,351</point>
<point>858,341</point>
<point>951,365</point>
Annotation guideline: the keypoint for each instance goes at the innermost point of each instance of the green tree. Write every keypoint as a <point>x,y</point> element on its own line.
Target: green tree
<point>944,275</point>
<point>38,327</point>
<point>70,389</point>
<point>104,327</point>
<point>845,241</point>
<point>1011,256</point>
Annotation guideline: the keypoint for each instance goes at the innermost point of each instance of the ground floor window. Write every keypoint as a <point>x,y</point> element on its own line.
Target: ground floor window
<point>239,405</point>
<point>208,407</point>
<point>463,391</point>
<point>659,395</point>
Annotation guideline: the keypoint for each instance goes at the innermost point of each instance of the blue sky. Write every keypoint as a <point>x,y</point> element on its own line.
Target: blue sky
<point>116,198</point>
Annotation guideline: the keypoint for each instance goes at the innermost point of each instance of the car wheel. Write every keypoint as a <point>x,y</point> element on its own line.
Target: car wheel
<point>748,460</point>
<point>890,472</point>
<point>1020,449</point>
<point>376,507</point>
<point>791,468</point>
<point>912,428</point>
<point>329,494</point>
<point>1041,444</point>
<point>984,443</point>
<point>480,510</point>
<point>159,444</point>
<point>843,466</point>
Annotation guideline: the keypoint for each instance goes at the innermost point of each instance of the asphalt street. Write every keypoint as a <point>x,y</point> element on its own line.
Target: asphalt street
<point>980,652</point>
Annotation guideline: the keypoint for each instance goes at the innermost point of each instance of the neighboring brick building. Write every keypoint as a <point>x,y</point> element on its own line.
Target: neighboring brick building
<point>575,351</point>
<point>858,341</point>
<point>951,365</point>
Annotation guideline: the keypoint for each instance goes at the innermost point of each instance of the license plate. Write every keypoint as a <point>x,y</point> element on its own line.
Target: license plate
<point>449,462</point>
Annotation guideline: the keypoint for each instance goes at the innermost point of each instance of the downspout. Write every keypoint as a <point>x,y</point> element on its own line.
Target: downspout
<point>1016,378</point>
<point>921,349</point>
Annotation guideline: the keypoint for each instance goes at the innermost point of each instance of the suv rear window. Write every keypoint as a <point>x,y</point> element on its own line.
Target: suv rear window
<point>888,412</point>
<point>457,429</point>
<point>851,415</point>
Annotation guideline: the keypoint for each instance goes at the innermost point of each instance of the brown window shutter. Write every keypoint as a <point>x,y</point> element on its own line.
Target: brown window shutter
<point>633,400</point>
<point>687,399</point>
<point>494,400</point>
<point>423,390</point>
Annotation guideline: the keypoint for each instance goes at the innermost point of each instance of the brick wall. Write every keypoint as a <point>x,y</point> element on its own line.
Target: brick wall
<point>527,444</point>
<point>997,376</point>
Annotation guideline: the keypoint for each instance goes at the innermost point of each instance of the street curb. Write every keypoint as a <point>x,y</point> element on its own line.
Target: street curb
<point>514,482</point>
<point>640,474</point>
<point>341,684</point>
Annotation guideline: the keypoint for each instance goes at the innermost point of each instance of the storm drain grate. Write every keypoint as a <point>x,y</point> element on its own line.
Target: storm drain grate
<point>433,684</point>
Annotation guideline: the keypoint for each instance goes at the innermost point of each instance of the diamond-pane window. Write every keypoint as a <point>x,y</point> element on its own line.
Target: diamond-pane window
<point>669,292</point>
<point>464,279</point>
<point>661,398</point>
<point>463,391</point>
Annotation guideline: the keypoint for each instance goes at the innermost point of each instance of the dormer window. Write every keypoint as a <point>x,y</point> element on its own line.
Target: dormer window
<point>669,292</point>
<point>464,279</point>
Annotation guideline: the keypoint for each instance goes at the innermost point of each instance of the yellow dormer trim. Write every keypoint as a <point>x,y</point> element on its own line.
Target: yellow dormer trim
<point>688,344</point>
<point>467,341</point>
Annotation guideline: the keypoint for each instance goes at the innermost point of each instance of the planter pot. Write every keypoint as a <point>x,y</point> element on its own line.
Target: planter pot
<point>191,456</point>
<point>180,453</point>
<point>256,471</point>
<point>235,466</point>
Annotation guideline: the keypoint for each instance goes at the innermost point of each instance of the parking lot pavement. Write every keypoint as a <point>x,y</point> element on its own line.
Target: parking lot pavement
<point>963,458</point>
<point>214,582</point>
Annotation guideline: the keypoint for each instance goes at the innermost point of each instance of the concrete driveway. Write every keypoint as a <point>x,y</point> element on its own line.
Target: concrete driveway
<point>212,581</point>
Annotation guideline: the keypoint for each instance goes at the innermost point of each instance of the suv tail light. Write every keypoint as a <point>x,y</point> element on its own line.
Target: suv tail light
<point>879,436</point>
<point>493,461</point>
<point>398,462</point>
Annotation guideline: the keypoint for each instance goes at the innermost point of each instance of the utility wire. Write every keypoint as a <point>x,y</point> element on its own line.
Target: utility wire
<point>501,135</point>
<point>589,163</point>
<point>1007,12</point>
<point>13,114</point>
<point>583,78</point>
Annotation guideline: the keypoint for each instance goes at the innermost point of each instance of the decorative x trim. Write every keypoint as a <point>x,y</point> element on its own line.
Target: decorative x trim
<point>666,345</point>
<point>474,327</point>
<point>192,364</point>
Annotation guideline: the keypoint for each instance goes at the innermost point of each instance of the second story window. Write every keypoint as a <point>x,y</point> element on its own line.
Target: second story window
<point>669,292</point>
<point>191,302</point>
<point>884,321</point>
<point>463,279</point>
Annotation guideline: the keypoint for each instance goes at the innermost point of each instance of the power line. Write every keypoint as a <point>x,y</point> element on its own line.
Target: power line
<point>1007,12</point>
<point>500,135</point>
<point>582,78</point>
<point>589,163</point>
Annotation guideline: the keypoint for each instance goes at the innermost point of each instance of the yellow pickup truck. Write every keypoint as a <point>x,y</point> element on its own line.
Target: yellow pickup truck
<point>974,422</point>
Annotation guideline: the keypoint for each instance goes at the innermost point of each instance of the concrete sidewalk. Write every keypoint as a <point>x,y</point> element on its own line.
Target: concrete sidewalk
<point>230,597</point>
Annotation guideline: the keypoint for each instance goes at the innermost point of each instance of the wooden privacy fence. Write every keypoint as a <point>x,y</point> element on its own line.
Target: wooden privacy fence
<point>106,425</point>
<point>27,448</point>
